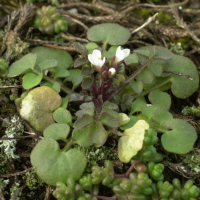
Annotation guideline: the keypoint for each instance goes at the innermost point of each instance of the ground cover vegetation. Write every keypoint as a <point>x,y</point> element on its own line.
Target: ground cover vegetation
<point>99,100</point>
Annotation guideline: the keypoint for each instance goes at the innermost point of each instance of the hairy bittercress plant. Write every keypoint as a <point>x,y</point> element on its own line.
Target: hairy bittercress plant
<point>108,90</point>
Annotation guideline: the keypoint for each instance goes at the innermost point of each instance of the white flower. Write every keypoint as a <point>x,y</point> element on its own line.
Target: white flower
<point>112,71</point>
<point>95,59</point>
<point>121,54</point>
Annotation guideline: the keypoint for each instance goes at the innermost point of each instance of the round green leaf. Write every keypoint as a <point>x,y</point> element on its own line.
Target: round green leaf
<point>26,63</point>
<point>38,106</point>
<point>131,59</point>
<point>97,134</point>
<point>47,64</point>
<point>137,86</point>
<point>81,137</point>
<point>57,131</point>
<point>53,165</point>
<point>160,99</point>
<point>44,53</point>
<point>87,82</point>
<point>61,115</point>
<point>155,68</point>
<point>31,79</point>
<point>60,72</point>
<point>180,138</point>
<point>111,33</point>
<point>146,76</point>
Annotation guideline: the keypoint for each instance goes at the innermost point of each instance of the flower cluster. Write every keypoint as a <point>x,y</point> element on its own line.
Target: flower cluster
<point>96,59</point>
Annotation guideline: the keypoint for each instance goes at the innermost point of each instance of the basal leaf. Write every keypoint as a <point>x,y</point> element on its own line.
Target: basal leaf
<point>91,46</point>
<point>110,105</point>
<point>38,106</point>
<point>109,120</point>
<point>146,76</point>
<point>160,99</point>
<point>111,33</point>
<point>131,59</point>
<point>132,141</point>
<point>44,53</point>
<point>57,131</point>
<point>30,80</point>
<point>81,137</point>
<point>61,73</point>
<point>53,165</point>
<point>155,68</point>
<point>87,82</point>
<point>138,105</point>
<point>80,48</point>
<point>79,62</point>
<point>97,134</point>
<point>180,138</point>
<point>75,77</point>
<point>137,86</point>
<point>83,121</point>
<point>25,64</point>
<point>47,64</point>
<point>61,115</point>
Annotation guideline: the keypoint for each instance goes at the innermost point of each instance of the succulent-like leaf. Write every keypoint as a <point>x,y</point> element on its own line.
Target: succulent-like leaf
<point>57,131</point>
<point>111,33</point>
<point>44,53</point>
<point>53,165</point>
<point>30,80</point>
<point>25,64</point>
<point>180,138</point>
<point>81,137</point>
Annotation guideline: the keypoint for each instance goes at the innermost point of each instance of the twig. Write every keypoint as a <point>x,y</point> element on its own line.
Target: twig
<point>149,20</point>
<point>72,38</point>
<point>17,173</point>
<point>48,193</point>
<point>10,86</point>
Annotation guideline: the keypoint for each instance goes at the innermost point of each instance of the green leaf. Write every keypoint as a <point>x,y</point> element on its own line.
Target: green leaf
<point>137,86</point>
<point>91,46</point>
<point>133,120</point>
<point>81,137</point>
<point>146,76</point>
<point>61,115</point>
<point>57,131</point>
<point>79,62</point>
<point>61,73</point>
<point>87,82</point>
<point>75,77</point>
<point>97,134</point>
<point>111,33</point>
<point>65,101</point>
<point>38,106</point>
<point>155,68</point>
<point>56,86</point>
<point>87,71</point>
<point>30,80</point>
<point>109,120</point>
<point>131,59</point>
<point>53,165</point>
<point>25,64</point>
<point>111,52</point>
<point>160,99</point>
<point>83,121</point>
<point>47,64</point>
<point>180,138</point>
<point>110,105</point>
<point>80,48</point>
<point>86,108</point>
<point>138,105</point>
<point>187,82</point>
<point>44,53</point>
<point>132,141</point>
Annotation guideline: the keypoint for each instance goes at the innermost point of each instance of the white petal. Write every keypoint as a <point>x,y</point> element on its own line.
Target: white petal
<point>90,58</point>
<point>97,54</point>
<point>119,55</point>
<point>126,52</point>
